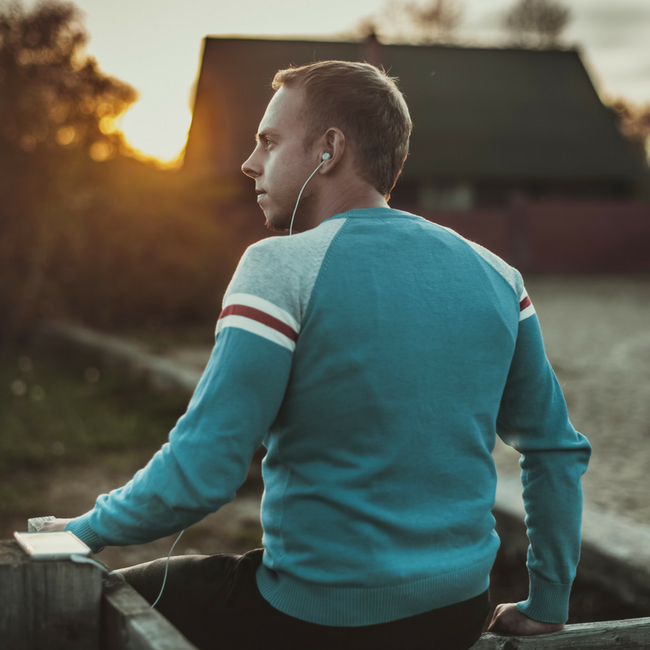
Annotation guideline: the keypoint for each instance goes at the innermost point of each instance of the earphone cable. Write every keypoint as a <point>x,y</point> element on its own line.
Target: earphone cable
<point>299,195</point>
<point>167,569</point>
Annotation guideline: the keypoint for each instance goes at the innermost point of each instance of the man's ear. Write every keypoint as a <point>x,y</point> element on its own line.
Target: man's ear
<point>335,146</point>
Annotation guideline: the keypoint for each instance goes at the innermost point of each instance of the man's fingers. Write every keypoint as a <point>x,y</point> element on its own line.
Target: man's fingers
<point>502,616</point>
<point>508,619</point>
<point>53,526</point>
<point>500,619</point>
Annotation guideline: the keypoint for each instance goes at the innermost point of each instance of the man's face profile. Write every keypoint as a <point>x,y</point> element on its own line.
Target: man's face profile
<point>279,163</point>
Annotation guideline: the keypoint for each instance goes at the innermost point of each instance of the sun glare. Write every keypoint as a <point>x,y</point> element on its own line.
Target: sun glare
<point>156,133</point>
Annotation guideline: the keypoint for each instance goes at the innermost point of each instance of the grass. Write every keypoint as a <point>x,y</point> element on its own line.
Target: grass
<point>53,414</point>
<point>69,433</point>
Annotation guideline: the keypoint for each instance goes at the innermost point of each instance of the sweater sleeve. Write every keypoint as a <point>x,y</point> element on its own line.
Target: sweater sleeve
<point>237,399</point>
<point>533,419</point>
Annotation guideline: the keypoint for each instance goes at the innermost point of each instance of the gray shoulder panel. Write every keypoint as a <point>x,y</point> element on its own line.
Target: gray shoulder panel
<point>283,270</point>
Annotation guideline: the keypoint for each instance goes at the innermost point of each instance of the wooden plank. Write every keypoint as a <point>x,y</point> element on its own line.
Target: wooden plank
<point>49,605</point>
<point>56,605</point>
<point>129,623</point>
<point>629,634</point>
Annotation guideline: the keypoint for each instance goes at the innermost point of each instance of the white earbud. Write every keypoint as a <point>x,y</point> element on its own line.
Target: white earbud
<point>326,156</point>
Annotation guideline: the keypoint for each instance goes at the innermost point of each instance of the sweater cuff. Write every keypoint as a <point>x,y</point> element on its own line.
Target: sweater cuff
<point>80,527</point>
<point>548,602</point>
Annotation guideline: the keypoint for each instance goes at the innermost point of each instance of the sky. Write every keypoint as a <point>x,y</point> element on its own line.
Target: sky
<point>156,46</point>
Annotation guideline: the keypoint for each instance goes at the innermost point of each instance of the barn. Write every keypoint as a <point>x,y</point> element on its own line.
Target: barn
<point>491,125</point>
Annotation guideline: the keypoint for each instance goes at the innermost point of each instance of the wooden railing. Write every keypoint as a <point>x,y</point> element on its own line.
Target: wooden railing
<point>61,604</point>
<point>129,623</point>
<point>607,635</point>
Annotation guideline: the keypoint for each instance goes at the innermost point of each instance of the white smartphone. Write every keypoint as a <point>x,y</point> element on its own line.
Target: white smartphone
<point>51,546</point>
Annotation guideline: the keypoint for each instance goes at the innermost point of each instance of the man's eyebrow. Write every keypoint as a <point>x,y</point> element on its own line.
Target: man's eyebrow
<point>264,135</point>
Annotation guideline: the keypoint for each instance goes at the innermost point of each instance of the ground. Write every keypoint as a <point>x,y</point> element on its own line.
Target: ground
<point>597,336</point>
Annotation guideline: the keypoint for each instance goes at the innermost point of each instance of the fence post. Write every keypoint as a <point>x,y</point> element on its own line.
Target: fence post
<point>49,605</point>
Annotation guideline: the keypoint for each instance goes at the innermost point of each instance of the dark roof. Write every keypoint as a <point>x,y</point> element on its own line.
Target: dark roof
<point>478,113</point>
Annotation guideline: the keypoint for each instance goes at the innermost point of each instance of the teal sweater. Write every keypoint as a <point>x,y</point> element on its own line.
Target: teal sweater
<point>376,357</point>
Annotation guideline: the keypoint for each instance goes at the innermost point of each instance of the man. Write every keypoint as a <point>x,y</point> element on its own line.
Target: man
<point>376,356</point>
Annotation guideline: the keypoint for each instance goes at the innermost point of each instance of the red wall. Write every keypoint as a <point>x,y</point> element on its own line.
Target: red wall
<point>601,237</point>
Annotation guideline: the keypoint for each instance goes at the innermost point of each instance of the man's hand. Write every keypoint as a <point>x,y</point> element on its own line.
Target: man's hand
<point>508,619</point>
<point>53,526</point>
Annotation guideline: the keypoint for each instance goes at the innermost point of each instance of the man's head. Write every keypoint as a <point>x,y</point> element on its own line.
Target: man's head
<point>352,111</point>
<point>365,104</point>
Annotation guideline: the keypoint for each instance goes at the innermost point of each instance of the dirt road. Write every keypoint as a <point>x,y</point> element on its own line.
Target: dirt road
<point>597,335</point>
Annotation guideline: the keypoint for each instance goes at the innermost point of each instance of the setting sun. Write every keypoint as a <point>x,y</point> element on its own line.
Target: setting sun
<point>155,131</point>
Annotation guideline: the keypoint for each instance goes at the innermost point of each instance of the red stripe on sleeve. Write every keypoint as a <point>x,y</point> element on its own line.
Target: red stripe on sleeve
<point>524,303</point>
<point>261,317</point>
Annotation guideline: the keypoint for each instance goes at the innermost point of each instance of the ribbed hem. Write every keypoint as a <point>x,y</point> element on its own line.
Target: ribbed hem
<point>81,528</point>
<point>357,606</point>
<point>547,602</point>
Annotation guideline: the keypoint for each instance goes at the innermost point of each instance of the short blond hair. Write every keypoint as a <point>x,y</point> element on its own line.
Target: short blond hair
<point>365,104</point>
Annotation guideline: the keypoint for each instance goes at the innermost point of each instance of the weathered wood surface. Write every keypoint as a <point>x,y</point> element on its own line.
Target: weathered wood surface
<point>56,605</point>
<point>629,634</point>
<point>129,623</point>
<point>49,605</point>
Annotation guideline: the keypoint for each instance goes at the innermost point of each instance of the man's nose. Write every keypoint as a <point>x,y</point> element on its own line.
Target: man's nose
<point>250,168</point>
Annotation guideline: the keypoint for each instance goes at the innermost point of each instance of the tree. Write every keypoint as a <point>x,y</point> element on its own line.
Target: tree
<point>57,110</point>
<point>435,21</point>
<point>634,122</point>
<point>88,234</point>
<point>53,95</point>
<point>536,23</point>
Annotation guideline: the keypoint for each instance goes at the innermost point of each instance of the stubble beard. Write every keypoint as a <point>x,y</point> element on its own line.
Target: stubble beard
<point>281,222</point>
<point>275,224</point>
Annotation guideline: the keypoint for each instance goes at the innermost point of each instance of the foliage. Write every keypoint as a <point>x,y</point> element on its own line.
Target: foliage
<point>529,23</point>
<point>52,103</point>
<point>88,233</point>
<point>135,246</point>
<point>536,23</point>
<point>53,94</point>
<point>51,413</point>
<point>434,21</point>
<point>634,121</point>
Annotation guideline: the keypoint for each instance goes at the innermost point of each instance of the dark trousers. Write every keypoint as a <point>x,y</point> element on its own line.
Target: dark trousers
<point>214,601</point>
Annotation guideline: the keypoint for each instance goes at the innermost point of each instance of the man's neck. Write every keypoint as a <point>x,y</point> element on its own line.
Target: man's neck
<point>347,199</point>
